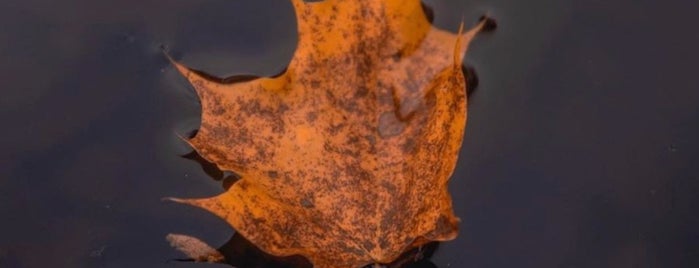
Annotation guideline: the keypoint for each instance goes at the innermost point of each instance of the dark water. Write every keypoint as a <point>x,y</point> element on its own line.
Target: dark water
<point>581,150</point>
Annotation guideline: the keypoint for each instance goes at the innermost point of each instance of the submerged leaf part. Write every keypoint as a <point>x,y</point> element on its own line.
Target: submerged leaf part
<point>194,248</point>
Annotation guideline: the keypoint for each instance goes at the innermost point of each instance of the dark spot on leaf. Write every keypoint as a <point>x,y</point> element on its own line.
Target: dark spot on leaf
<point>306,203</point>
<point>389,125</point>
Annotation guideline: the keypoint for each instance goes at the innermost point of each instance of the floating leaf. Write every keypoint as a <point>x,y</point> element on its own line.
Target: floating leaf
<point>345,157</point>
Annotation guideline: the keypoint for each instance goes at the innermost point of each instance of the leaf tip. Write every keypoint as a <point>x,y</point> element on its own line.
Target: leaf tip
<point>485,24</point>
<point>166,52</point>
<point>185,139</point>
<point>180,68</point>
<point>458,50</point>
<point>175,199</point>
<point>202,203</point>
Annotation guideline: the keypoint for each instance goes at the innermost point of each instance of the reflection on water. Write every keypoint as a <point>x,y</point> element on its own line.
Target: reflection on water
<point>227,178</point>
<point>239,252</point>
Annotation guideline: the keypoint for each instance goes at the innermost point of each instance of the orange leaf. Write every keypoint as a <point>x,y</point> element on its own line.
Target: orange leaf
<point>345,157</point>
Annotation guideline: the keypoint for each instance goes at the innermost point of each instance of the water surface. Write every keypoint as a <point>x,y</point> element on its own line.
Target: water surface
<point>581,147</point>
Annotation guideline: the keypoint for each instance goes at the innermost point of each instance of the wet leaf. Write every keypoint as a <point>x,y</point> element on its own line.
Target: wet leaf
<point>345,157</point>
<point>194,248</point>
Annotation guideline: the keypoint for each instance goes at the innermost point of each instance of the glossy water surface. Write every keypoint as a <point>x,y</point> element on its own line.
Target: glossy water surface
<point>581,148</point>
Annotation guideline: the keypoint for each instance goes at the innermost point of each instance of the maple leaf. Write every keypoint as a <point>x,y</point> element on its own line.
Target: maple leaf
<point>345,157</point>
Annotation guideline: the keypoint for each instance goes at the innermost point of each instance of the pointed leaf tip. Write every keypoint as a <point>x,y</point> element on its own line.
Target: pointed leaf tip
<point>458,46</point>
<point>174,199</point>
<point>184,70</point>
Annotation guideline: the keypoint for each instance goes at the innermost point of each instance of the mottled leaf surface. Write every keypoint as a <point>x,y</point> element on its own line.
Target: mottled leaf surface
<point>345,157</point>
